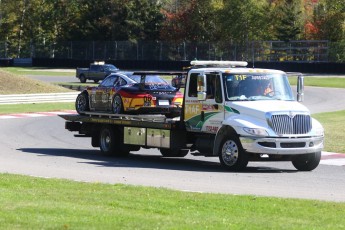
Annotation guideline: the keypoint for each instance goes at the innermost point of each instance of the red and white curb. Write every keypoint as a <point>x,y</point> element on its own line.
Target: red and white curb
<point>38,114</point>
<point>328,158</point>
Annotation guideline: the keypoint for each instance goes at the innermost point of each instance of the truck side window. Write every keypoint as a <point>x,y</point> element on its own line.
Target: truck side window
<point>214,89</point>
<point>192,90</point>
<point>218,93</point>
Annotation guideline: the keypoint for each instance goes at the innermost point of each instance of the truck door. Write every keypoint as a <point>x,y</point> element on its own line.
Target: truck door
<point>207,114</point>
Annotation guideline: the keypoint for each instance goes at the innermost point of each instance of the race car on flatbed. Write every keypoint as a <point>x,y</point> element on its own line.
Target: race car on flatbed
<point>229,111</point>
<point>132,93</point>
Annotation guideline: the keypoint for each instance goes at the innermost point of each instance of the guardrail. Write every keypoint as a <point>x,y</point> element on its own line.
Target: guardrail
<point>38,98</point>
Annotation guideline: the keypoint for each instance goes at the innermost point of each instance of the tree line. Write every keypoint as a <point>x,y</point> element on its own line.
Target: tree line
<point>27,22</point>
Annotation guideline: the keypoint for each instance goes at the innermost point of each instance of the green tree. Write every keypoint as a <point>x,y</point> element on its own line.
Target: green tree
<point>241,21</point>
<point>118,20</point>
<point>193,21</point>
<point>329,18</point>
<point>288,21</point>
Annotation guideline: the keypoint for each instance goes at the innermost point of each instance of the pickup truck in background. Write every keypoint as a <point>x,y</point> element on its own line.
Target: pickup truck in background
<point>97,72</point>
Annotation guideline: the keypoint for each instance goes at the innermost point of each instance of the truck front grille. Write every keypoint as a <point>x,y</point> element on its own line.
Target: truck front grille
<point>290,124</point>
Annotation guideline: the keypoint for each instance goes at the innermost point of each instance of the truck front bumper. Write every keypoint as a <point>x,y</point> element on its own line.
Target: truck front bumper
<point>282,146</point>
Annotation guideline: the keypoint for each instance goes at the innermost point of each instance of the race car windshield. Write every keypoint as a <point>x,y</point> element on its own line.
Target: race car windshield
<point>258,87</point>
<point>153,82</point>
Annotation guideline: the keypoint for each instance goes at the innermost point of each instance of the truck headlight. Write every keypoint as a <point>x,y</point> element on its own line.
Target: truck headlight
<point>319,132</point>
<point>256,131</point>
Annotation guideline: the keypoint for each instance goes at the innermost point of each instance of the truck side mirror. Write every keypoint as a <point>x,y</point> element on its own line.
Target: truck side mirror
<point>300,88</point>
<point>201,88</point>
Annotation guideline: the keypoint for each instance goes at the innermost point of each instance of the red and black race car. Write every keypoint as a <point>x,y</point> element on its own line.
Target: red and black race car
<point>132,93</point>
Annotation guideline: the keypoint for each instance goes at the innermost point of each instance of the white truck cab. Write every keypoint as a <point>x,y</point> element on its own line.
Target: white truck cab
<point>249,114</point>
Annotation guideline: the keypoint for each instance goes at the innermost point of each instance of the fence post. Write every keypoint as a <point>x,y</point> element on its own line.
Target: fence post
<point>93,50</point>
<point>115,50</point>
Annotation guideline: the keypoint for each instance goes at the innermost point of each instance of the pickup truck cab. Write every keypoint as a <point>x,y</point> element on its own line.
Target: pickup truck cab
<point>97,72</point>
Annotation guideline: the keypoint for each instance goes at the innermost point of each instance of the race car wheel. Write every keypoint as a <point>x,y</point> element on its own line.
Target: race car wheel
<point>82,78</point>
<point>231,154</point>
<point>307,162</point>
<point>82,103</point>
<point>117,105</point>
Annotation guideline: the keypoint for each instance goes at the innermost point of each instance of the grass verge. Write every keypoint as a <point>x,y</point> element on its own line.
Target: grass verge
<point>333,123</point>
<point>331,82</point>
<point>37,107</point>
<point>39,71</point>
<point>16,84</point>
<point>36,203</point>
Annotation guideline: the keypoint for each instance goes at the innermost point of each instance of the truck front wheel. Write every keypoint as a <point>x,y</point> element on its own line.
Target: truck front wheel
<point>307,162</point>
<point>231,154</point>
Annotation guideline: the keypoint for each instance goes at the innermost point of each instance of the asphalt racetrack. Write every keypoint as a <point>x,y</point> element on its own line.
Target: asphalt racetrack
<point>40,146</point>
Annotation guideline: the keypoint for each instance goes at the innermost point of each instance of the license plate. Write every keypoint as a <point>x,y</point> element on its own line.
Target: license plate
<point>163,102</point>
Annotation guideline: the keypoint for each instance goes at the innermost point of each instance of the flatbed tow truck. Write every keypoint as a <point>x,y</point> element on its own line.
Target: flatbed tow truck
<point>250,115</point>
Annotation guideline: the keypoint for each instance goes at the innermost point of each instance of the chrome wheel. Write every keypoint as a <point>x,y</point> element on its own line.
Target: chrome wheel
<point>230,153</point>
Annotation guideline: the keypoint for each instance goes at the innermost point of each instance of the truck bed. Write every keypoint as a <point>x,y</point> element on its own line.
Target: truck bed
<point>144,121</point>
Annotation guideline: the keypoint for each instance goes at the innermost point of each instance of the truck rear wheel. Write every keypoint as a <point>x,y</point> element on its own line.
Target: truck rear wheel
<point>231,154</point>
<point>110,142</point>
<point>174,152</point>
<point>82,78</point>
<point>307,162</point>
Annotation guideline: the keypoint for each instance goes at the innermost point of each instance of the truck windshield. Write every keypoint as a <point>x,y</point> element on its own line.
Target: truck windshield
<point>257,87</point>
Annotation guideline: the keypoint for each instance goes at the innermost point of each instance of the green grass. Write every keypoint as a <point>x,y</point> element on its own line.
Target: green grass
<point>36,107</point>
<point>39,71</point>
<point>332,82</point>
<point>17,84</point>
<point>333,123</point>
<point>36,203</point>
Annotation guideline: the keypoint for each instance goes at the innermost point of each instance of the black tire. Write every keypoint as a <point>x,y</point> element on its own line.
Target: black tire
<point>117,105</point>
<point>82,103</point>
<point>307,162</point>
<point>174,152</point>
<point>82,78</point>
<point>110,142</point>
<point>231,154</point>
<point>96,81</point>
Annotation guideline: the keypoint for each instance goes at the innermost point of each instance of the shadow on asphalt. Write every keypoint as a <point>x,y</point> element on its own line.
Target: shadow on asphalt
<point>135,160</point>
